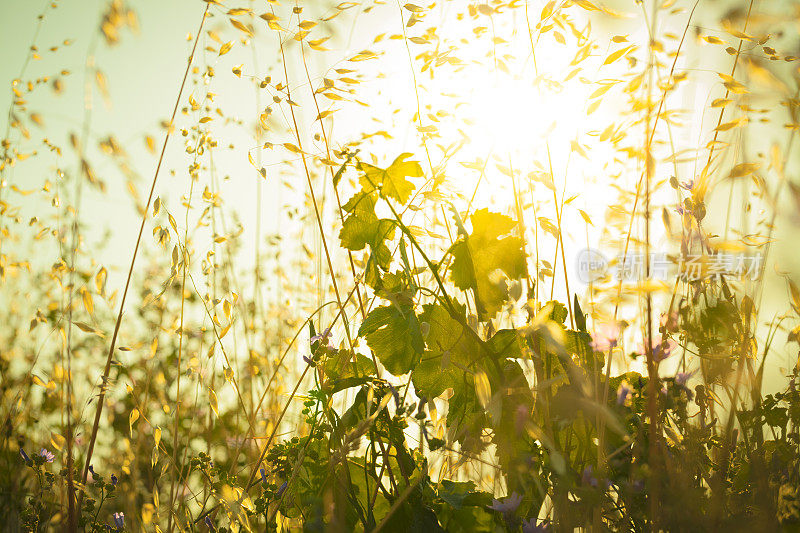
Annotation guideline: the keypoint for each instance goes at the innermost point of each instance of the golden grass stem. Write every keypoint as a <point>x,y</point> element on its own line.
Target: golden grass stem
<point>107,368</point>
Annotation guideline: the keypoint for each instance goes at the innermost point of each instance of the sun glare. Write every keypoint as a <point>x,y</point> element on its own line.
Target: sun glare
<point>516,114</point>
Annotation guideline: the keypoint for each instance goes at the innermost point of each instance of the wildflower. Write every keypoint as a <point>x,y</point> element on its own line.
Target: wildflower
<point>587,478</point>
<point>687,185</point>
<point>661,348</point>
<point>24,456</point>
<point>45,454</point>
<point>681,378</point>
<point>281,489</point>
<point>669,321</point>
<point>623,391</point>
<point>530,526</point>
<point>508,506</point>
<point>605,337</point>
<point>119,520</point>
<point>323,338</point>
<point>114,480</point>
<point>209,523</point>
<point>263,475</point>
<point>309,361</point>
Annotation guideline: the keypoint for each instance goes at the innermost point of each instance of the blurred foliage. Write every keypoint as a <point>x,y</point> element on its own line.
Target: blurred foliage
<point>408,367</point>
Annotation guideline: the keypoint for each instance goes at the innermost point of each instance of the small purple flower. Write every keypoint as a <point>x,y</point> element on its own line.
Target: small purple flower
<point>114,480</point>
<point>281,489</point>
<point>660,352</point>
<point>669,321</point>
<point>587,478</point>
<point>682,210</point>
<point>24,456</point>
<point>263,475</point>
<point>209,523</point>
<point>662,348</point>
<point>508,505</point>
<point>323,338</point>
<point>119,520</point>
<point>308,361</point>
<point>530,526</point>
<point>45,454</point>
<point>687,185</point>
<point>623,392</point>
<point>681,378</point>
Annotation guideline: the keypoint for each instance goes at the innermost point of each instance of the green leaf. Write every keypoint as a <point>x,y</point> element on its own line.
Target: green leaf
<point>580,318</point>
<point>507,343</point>
<point>449,362</point>
<point>472,516</point>
<point>454,492</point>
<point>448,337</point>
<point>342,373</point>
<point>578,343</point>
<point>392,181</point>
<point>478,257</point>
<point>397,287</point>
<point>362,227</point>
<point>556,311</point>
<point>466,418</point>
<point>508,431</point>
<point>450,351</point>
<point>431,378</point>
<point>393,333</point>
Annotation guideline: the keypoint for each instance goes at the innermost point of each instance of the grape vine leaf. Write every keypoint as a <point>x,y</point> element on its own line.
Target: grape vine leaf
<point>452,356</point>
<point>392,180</point>
<point>450,351</point>
<point>478,256</point>
<point>393,333</point>
<point>516,409</point>
<point>344,370</point>
<point>362,227</point>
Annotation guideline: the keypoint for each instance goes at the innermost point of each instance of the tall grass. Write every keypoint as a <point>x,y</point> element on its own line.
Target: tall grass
<point>358,297</point>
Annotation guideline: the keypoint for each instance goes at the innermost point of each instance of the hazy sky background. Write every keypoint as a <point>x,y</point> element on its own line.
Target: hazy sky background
<point>143,74</point>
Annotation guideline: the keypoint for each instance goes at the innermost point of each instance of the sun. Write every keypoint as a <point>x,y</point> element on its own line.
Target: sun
<point>518,114</point>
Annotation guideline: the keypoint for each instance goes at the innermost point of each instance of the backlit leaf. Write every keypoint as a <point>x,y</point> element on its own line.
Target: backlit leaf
<point>393,333</point>
<point>478,257</point>
<point>392,181</point>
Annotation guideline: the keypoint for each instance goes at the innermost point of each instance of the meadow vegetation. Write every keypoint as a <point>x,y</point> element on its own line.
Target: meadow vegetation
<point>335,288</point>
